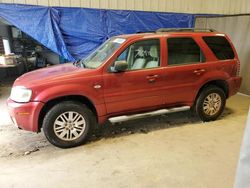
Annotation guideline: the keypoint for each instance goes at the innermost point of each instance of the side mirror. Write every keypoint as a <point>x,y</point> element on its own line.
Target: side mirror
<point>120,66</point>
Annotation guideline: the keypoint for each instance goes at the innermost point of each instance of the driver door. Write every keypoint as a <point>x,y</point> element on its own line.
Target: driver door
<point>140,87</point>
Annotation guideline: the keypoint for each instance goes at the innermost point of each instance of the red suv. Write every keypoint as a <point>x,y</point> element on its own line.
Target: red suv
<point>128,74</point>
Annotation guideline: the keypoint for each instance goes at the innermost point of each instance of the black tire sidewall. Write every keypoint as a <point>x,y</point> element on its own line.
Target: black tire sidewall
<point>199,103</point>
<point>57,110</point>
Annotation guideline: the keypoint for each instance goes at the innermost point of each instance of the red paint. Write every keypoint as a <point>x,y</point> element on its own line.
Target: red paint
<point>127,92</point>
<point>29,121</point>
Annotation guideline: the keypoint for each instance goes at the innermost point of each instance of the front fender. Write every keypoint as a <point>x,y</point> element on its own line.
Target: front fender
<point>48,93</point>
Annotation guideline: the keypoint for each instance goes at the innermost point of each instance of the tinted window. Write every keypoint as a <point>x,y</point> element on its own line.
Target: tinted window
<point>183,51</point>
<point>142,54</point>
<point>220,47</point>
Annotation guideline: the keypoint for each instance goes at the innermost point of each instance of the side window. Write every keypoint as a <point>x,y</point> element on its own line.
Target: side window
<point>123,56</point>
<point>142,55</point>
<point>183,51</point>
<point>220,47</point>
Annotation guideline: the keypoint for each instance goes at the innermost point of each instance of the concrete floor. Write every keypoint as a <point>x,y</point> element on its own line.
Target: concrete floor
<point>174,150</point>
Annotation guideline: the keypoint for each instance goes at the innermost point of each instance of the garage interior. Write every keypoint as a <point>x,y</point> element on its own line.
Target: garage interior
<point>20,53</point>
<point>170,150</point>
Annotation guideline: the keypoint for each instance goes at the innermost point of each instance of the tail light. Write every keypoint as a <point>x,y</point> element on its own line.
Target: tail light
<point>237,68</point>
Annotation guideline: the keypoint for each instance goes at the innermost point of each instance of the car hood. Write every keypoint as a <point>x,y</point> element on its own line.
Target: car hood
<point>47,74</point>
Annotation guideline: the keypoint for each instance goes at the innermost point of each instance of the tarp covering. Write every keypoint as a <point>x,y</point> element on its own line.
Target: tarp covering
<point>74,32</point>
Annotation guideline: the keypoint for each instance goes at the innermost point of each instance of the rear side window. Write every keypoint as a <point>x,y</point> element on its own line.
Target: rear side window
<point>184,50</point>
<point>220,47</point>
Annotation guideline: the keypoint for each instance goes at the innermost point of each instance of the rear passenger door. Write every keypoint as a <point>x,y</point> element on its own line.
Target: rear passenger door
<point>186,65</point>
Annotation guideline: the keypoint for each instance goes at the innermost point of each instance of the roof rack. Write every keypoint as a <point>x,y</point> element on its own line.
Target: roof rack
<point>145,32</point>
<point>184,30</point>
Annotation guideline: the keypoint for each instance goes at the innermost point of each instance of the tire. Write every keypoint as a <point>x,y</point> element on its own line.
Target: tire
<point>210,103</point>
<point>68,124</point>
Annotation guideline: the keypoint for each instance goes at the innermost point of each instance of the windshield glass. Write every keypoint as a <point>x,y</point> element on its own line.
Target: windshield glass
<point>96,58</point>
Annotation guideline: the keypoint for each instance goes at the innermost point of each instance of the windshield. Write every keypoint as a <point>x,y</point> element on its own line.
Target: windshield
<point>96,58</point>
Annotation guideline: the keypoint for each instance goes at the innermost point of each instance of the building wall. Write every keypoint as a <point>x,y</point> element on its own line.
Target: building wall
<point>186,6</point>
<point>238,29</point>
<point>4,30</point>
<point>1,46</point>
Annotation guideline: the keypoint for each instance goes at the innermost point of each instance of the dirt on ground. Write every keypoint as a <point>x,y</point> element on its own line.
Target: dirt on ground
<point>172,150</point>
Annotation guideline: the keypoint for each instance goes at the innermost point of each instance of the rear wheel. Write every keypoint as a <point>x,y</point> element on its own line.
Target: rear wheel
<point>68,124</point>
<point>210,103</point>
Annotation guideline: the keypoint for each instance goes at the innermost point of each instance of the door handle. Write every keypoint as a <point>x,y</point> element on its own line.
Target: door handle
<point>152,78</point>
<point>199,71</point>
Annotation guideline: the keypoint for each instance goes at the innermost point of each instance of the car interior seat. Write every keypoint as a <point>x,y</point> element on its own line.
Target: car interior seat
<point>154,62</point>
<point>140,60</point>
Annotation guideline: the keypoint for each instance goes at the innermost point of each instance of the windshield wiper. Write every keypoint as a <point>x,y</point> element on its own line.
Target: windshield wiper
<point>76,63</point>
<point>79,63</point>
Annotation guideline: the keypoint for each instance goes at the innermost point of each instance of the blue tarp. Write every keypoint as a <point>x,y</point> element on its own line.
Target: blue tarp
<point>74,32</point>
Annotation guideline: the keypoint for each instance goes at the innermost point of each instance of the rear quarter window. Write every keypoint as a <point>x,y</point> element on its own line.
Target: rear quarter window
<point>220,47</point>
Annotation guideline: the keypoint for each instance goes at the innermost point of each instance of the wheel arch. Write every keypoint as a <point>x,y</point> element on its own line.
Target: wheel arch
<point>219,83</point>
<point>78,98</point>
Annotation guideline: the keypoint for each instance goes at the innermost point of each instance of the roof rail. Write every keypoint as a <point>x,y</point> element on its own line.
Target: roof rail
<point>184,29</point>
<point>145,32</point>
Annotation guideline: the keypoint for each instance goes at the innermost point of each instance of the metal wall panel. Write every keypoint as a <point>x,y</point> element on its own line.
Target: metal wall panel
<point>20,1</point>
<point>83,3</point>
<point>113,4</point>
<point>31,2</point>
<point>43,2</point>
<point>75,3</point>
<point>238,29</point>
<point>66,3</point>
<point>185,6</point>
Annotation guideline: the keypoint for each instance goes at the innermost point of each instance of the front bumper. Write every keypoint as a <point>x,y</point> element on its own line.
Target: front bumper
<point>25,115</point>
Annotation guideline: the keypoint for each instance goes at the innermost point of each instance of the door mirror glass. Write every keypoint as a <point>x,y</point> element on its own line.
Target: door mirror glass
<point>119,66</point>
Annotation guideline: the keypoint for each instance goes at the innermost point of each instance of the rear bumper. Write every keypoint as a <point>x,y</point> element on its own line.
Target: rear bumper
<point>234,85</point>
<point>25,115</point>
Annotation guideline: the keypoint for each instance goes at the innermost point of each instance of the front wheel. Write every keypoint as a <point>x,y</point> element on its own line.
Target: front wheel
<point>68,124</point>
<point>210,103</point>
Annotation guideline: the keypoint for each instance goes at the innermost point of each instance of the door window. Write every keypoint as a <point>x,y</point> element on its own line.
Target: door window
<point>142,55</point>
<point>183,51</point>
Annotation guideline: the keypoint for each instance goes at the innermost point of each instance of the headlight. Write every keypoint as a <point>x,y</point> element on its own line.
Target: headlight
<point>20,94</point>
